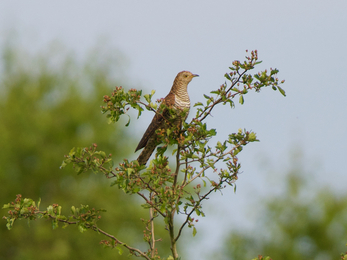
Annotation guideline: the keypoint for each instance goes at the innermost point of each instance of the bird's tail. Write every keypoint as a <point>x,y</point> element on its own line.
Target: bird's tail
<point>146,153</point>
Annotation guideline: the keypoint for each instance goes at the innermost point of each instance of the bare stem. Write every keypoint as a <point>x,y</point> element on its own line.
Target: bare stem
<point>151,215</point>
<point>177,166</point>
<point>172,236</point>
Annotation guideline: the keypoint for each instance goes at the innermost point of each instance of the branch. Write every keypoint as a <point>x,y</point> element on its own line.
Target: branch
<point>177,166</point>
<point>210,107</point>
<point>152,243</point>
<point>172,235</point>
<point>185,172</point>
<point>133,250</point>
<point>151,204</point>
<point>193,209</point>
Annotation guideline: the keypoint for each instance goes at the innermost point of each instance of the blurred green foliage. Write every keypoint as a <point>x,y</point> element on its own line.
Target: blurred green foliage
<point>50,103</point>
<point>306,221</point>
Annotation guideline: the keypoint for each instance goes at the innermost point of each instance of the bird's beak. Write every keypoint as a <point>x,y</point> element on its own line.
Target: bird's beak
<point>195,75</point>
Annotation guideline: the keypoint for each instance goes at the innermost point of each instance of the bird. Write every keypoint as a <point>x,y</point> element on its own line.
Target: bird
<point>177,100</point>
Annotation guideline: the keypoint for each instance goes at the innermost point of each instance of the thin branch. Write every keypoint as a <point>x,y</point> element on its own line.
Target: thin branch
<point>210,107</point>
<point>147,106</point>
<point>191,212</point>
<point>199,159</point>
<point>149,187</point>
<point>152,243</point>
<point>185,172</point>
<point>177,166</point>
<point>133,250</point>
<point>204,169</point>
<point>151,204</point>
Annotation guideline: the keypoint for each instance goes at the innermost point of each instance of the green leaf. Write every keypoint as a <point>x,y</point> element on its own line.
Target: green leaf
<point>50,209</point>
<point>207,97</point>
<point>252,137</point>
<point>54,224</point>
<point>274,71</point>
<point>101,153</point>
<point>198,104</point>
<point>6,206</point>
<point>241,100</point>
<point>72,152</point>
<point>194,231</point>
<point>204,182</point>
<point>237,150</point>
<point>78,169</point>
<point>212,132</point>
<point>120,249</point>
<point>63,165</point>
<point>130,171</point>
<point>81,228</point>
<point>147,97</point>
<point>127,124</point>
<point>282,91</point>
<point>10,223</point>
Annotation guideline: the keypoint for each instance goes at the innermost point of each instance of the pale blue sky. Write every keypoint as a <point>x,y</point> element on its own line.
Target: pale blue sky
<point>306,40</point>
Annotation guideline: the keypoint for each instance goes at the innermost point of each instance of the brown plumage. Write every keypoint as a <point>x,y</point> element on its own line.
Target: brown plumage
<point>177,99</point>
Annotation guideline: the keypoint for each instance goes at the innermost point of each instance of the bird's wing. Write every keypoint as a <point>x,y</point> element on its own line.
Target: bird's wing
<point>157,121</point>
<point>154,125</point>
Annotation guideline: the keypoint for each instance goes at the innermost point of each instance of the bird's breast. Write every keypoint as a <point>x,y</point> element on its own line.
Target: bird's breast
<point>182,101</point>
<point>182,104</point>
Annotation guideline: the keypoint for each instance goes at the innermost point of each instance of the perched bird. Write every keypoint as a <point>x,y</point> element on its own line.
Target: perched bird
<point>177,99</point>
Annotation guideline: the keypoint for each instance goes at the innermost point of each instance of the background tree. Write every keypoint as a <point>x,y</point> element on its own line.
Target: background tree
<point>305,221</point>
<point>49,102</point>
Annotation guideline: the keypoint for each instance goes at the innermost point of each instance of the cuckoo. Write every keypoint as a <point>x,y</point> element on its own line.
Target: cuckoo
<point>178,100</point>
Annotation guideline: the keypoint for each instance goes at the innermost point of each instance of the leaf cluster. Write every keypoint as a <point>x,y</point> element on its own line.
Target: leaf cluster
<point>83,217</point>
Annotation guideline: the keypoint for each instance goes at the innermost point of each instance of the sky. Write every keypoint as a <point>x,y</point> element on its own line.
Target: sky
<point>306,40</point>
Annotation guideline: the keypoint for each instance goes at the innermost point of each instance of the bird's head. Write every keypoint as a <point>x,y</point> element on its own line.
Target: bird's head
<point>185,76</point>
